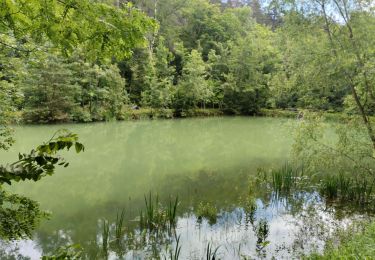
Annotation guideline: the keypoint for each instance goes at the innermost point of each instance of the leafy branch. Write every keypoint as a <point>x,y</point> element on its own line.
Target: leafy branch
<point>41,161</point>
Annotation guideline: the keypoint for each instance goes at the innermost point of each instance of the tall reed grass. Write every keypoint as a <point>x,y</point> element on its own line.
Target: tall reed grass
<point>347,188</point>
<point>286,177</point>
<point>158,217</point>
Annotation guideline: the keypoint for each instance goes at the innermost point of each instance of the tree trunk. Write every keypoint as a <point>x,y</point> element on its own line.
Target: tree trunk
<point>360,106</point>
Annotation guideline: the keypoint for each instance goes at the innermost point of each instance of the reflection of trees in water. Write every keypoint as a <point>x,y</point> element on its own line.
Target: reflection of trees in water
<point>11,251</point>
<point>306,212</point>
<point>262,231</point>
<point>82,226</point>
<point>311,219</point>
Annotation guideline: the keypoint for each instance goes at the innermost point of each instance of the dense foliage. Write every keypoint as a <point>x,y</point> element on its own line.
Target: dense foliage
<point>238,57</point>
<point>94,60</point>
<point>41,76</point>
<point>356,243</point>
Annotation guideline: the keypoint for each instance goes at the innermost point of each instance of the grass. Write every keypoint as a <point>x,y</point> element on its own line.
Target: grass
<point>360,245</point>
<point>119,229</point>
<point>285,178</point>
<point>334,116</point>
<point>172,212</point>
<point>330,187</point>
<point>156,216</point>
<point>211,252</point>
<point>207,211</point>
<point>119,233</point>
<point>347,188</point>
<point>105,237</point>
<point>262,231</point>
<point>175,254</point>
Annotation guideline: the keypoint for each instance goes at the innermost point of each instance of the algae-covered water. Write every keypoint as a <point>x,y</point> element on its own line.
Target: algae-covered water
<point>202,161</point>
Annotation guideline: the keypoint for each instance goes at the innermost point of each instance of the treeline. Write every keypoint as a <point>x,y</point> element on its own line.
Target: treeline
<point>236,56</point>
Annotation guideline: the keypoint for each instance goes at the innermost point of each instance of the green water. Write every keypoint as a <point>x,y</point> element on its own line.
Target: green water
<point>127,159</point>
<point>199,160</point>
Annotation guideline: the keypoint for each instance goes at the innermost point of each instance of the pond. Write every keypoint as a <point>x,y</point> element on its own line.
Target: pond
<point>207,162</point>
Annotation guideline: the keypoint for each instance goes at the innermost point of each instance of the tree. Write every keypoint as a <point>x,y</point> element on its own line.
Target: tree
<point>66,90</point>
<point>207,25</point>
<point>250,66</point>
<point>306,74</point>
<point>350,49</point>
<point>158,92</point>
<point>102,30</point>
<point>257,11</point>
<point>357,49</point>
<point>11,97</point>
<point>193,88</point>
<point>50,91</point>
<point>113,91</point>
<point>332,47</point>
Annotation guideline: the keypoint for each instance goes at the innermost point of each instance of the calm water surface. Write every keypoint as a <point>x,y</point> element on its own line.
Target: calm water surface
<point>207,160</point>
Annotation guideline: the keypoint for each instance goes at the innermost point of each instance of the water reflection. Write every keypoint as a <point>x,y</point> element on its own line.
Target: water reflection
<point>202,161</point>
<point>278,226</point>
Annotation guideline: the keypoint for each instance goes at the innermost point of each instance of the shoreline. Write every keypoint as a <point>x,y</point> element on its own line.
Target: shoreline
<point>155,114</point>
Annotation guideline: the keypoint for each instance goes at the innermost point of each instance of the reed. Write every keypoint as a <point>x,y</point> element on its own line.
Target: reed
<point>262,231</point>
<point>362,191</point>
<point>210,252</point>
<point>285,178</point>
<point>330,187</point>
<point>119,229</point>
<point>158,217</point>
<point>150,210</point>
<point>207,211</point>
<point>345,185</point>
<point>172,212</point>
<point>105,237</point>
<point>347,188</point>
<point>175,255</point>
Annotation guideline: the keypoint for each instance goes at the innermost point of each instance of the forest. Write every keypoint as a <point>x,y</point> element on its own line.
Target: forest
<point>310,64</point>
<point>237,57</point>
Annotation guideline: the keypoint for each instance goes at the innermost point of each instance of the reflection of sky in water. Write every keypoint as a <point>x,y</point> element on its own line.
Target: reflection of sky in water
<point>292,230</point>
<point>237,238</point>
<point>198,159</point>
<point>26,248</point>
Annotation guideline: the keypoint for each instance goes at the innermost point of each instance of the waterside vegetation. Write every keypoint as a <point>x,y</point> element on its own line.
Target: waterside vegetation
<point>101,60</point>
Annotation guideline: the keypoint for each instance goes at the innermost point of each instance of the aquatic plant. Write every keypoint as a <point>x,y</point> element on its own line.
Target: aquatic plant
<point>172,212</point>
<point>344,185</point>
<point>347,188</point>
<point>355,243</point>
<point>119,230</point>
<point>105,237</point>
<point>210,252</point>
<point>72,252</point>
<point>361,191</point>
<point>330,186</point>
<point>208,211</point>
<point>149,216</point>
<point>262,231</point>
<point>249,205</point>
<point>175,254</point>
<point>285,178</point>
<point>156,216</point>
